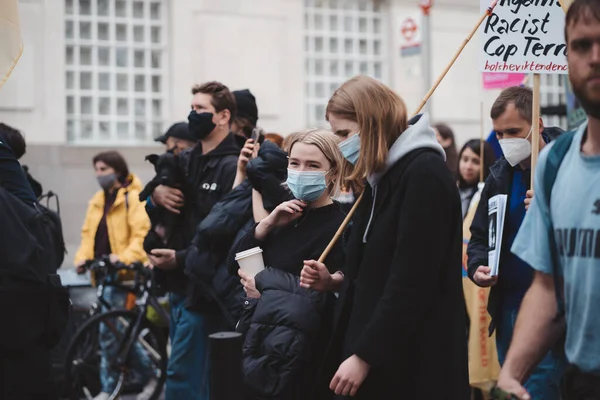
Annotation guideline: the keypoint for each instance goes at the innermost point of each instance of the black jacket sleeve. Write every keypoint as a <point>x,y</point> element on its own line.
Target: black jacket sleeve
<point>428,222</point>
<point>477,250</point>
<point>217,231</point>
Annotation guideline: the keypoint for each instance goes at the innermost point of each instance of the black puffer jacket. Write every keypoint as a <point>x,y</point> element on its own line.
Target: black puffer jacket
<point>286,331</point>
<point>205,262</point>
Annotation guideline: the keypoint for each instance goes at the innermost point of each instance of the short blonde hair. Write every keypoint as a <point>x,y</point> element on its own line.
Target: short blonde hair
<point>327,142</point>
<point>381,117</point>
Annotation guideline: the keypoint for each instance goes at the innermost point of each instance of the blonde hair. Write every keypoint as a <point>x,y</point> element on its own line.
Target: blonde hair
<point>381,117</point>
<point>327,143</point>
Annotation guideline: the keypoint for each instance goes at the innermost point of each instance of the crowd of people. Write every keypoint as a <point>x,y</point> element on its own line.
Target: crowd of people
<point>383,314</point>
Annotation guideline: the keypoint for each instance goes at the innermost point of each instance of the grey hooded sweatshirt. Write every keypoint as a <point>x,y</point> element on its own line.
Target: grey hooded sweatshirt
<point>417,136</point>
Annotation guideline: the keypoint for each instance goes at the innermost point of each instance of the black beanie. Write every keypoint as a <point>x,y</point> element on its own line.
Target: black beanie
<point>246,105</point>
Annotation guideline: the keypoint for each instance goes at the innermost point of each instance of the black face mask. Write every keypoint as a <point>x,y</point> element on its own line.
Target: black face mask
<point>200,125</point>
<point>172,150</point>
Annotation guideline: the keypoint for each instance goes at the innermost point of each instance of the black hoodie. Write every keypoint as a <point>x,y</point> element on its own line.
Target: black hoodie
<point>209,178</point>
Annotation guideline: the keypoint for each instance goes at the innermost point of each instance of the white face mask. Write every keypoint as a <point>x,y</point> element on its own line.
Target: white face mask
<point>516,150</point>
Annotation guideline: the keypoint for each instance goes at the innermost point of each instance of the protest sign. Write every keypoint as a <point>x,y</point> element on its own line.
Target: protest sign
<point>501,80</point>
<point>524,36</point>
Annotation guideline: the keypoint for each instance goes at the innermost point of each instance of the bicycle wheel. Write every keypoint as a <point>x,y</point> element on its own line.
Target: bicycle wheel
<point>88,356</point>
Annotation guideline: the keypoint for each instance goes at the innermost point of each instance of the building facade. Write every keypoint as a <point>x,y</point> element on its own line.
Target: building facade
<point>98,74</point>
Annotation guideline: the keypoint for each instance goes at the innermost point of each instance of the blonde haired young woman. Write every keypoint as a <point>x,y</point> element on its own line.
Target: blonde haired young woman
<point>399,330</point>
<point>287,326</point>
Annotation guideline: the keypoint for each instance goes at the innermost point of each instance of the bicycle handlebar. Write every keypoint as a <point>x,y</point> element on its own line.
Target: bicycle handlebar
<point>105,263</point>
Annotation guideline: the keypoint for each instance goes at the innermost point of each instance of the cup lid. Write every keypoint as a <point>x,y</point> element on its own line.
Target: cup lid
<point>248,253</point>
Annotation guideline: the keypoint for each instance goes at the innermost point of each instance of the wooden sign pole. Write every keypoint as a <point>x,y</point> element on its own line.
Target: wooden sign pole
<point>565,4</point>
<point>482,147</point>
<point>535,125</point>
<point>486,14</point>
<point>348,218</point>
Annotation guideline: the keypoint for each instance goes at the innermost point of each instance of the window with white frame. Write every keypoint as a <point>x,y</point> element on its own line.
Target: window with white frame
<point>343,38</point>
<point>115,70</point>
<point>553,94</point>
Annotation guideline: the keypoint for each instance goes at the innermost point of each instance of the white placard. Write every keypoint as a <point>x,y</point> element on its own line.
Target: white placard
<point>496,214</point>
<point>523,36</point>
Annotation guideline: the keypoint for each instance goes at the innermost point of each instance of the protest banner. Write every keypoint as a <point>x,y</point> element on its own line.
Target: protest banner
<point>10,32</point>
<point>524,36</point>
<point>501,80</point>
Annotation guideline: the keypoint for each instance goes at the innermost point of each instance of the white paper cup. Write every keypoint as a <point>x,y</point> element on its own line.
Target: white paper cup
<point>251,261</point>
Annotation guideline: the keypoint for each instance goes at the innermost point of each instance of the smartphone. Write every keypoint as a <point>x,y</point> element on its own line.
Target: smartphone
<point>255,135</point>
<point>499,394</point>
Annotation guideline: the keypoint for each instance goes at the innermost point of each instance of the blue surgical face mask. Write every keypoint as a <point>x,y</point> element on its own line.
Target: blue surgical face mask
<point>307,185</point>
<point>351,148</point>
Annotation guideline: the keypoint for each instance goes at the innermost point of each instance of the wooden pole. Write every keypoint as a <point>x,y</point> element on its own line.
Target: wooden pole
<point>482,147</point>
<point>487,13</point>
<point>535,125</point>
<point>341,229</point>
<point>565,4</point>
<point>348,218</point>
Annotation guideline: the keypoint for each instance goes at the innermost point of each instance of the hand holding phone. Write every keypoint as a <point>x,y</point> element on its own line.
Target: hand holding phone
<point>499,394</point>
<point>255,135</point>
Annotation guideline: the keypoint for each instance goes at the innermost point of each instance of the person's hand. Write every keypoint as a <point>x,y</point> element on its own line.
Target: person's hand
<point>511,385</point>
<point>282,215</point>
<point>256,150</point>
<point>246,155</point>
<point>349,376</point>
<point>528,198</point>
<point>286,212</point>
<point>79,267</point>
<point>168,198</point>
<point>161,231</point>
<point>249,285</point>
<point>163,259</point>
<point>316,276</point>
<point>113,258</point>
<point>482,277</point>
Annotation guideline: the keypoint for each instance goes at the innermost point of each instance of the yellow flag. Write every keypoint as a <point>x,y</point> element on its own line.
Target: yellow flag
<point>483,357</point>
<point>11,44</point>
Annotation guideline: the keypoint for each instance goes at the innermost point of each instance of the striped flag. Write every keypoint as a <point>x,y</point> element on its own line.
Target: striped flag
<point>11,45</point>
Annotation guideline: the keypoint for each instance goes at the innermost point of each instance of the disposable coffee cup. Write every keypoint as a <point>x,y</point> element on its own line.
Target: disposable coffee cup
<point>251,261</point>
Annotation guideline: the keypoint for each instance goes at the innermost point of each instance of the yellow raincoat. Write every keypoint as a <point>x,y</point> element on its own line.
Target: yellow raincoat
<point>127,223</point>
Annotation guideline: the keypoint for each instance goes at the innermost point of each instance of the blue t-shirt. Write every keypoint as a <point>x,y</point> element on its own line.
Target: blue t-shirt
<point>575,213</point>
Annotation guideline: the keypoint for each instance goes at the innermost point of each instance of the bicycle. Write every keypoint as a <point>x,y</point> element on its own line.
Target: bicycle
<point>131,329</point>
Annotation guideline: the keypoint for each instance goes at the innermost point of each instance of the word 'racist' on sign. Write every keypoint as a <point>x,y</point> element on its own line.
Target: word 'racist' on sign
<point>523,36</point>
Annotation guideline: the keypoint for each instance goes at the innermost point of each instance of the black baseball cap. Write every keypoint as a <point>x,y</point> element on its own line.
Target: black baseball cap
<point>246,105</point>
<point>179,130</point>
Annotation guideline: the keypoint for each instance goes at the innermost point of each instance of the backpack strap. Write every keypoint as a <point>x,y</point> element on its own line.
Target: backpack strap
<point>555,158</point>
<point>48,196</point>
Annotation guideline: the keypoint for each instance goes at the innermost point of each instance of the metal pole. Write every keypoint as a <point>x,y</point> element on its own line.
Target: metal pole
<point>226,382</point>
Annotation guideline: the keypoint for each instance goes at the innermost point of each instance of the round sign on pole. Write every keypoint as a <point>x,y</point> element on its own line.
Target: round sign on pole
<point>425,6</point>
<point>409,29</point>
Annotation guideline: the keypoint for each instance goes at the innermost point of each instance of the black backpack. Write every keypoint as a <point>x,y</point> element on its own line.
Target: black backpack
<point>556,155</point>
<point>53,226</point>
<point>33,302</point>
